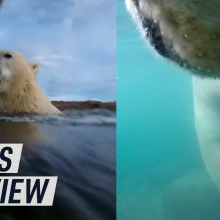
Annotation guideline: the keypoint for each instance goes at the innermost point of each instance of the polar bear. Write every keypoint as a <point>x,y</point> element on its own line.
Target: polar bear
<point>187,32</point>
<point>19,90</point>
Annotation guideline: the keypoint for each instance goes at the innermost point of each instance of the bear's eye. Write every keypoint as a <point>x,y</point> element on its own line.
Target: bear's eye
<point>7,55</point>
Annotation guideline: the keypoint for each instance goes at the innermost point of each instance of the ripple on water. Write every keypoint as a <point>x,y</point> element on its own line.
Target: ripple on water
<point>73,117</point>
<point>71,126</point>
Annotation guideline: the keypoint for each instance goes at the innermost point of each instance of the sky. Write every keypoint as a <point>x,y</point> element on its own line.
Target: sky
<point>74,41</point>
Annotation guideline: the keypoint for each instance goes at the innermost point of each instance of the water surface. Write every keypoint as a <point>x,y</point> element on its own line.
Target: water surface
<point>80,148</point>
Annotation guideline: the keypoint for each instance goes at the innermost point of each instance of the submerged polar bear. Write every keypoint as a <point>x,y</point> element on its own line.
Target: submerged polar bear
<point>19,90</point>
<point>187,32</point>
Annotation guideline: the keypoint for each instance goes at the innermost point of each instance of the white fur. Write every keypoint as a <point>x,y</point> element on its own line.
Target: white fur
<point>6,73</point>
<point>19,90</point>
<point>206,94</point>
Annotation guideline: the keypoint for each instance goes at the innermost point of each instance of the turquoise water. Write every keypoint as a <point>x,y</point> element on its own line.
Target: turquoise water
<point>156,140</point>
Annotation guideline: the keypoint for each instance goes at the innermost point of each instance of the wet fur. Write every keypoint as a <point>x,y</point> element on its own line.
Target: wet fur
<point>186,31</point>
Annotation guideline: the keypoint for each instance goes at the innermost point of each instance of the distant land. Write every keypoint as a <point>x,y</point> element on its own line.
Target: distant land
<point>84,105</point>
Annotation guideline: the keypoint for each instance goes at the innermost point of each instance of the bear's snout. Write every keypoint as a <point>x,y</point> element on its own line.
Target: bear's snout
<point>3,75</point>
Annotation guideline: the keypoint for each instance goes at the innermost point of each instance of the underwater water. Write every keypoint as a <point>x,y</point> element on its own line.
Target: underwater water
<point>160,172</point>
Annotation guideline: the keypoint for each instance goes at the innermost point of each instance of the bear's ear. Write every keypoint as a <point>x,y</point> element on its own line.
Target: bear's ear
<point>35,67</point>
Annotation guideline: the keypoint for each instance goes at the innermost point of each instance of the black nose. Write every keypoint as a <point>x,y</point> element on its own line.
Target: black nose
<point>7,55</point>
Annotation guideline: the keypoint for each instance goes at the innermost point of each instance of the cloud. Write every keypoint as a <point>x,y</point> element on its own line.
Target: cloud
<point>73,40</point>
<point>67,98</point>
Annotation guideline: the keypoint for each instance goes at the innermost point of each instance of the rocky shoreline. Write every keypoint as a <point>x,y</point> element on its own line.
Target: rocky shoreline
<point>84,105</point>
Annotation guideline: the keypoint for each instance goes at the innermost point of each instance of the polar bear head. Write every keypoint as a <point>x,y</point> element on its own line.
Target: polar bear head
<point>184,31</point>
<point>15,71</point>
